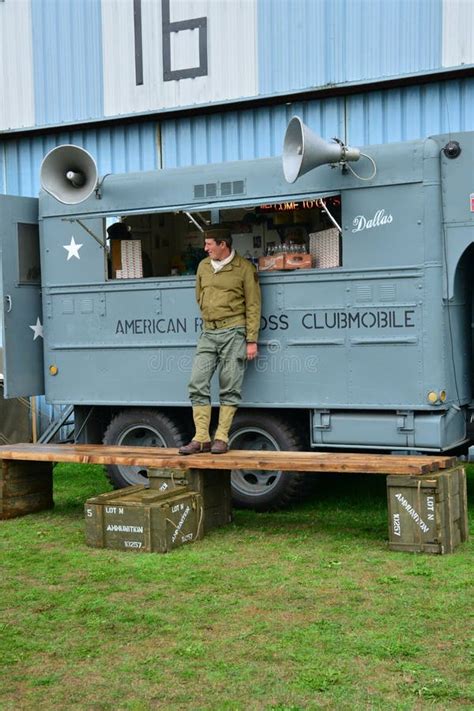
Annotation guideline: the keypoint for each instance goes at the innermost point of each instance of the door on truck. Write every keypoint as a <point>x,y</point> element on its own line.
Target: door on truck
<point>22,317</point>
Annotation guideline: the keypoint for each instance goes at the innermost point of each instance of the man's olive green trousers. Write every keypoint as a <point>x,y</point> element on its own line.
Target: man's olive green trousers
<point>224,350</point>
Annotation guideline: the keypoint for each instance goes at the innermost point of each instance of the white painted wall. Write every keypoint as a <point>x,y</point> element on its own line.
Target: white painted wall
<point>458,32</point>
<point>16,65</point>
<point>232,54</point>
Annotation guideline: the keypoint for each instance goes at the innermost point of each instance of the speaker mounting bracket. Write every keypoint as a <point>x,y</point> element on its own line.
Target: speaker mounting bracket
<point>98,187</point>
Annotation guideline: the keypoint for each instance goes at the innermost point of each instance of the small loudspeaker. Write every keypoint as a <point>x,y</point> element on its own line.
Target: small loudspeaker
<point>304,150</point>
<point>69,174</point>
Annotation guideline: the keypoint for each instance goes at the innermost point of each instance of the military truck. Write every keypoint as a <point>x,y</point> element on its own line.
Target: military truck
<point>368,348</point>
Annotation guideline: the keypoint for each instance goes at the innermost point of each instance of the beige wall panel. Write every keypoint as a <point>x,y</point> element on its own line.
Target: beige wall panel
<point>458,32</point>
<point>16,65</point>
<point>231,50</point>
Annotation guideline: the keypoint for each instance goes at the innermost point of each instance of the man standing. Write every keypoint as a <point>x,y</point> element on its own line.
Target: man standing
<point>228,295</point>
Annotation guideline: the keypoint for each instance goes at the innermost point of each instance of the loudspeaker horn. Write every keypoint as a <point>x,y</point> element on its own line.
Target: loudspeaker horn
<point>69,173</point>
<point>304,150</point>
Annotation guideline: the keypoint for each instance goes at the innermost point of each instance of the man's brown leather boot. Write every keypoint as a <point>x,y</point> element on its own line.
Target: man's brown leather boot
<point>194,447</point>
<point>219,447</point>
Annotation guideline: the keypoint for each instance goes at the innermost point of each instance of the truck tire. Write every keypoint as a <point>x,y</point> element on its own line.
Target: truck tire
<point>139,428</point>
<point>265,490</point>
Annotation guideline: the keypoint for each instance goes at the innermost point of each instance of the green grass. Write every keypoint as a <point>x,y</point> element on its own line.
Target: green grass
<point>303,609</point>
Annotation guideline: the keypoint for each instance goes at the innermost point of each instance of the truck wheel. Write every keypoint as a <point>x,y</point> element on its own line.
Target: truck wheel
<point>265,490</point>
<point>139,428</point>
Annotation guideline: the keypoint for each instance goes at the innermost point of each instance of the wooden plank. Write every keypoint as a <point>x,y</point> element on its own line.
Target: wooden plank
<point>153,457</point>
<point>29,451</point>
<point>82,451</point>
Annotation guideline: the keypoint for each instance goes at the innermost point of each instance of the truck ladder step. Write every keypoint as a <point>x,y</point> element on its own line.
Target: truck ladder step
<point>56,425</point>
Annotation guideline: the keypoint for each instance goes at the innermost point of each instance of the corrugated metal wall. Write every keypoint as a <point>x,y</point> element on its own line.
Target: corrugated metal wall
<point>458,32</point>
<point>320,42</point>
<point>17,106</point>
<point>67,61</point>
<point>373,117</point>
<point>410,112</point>
<point>230,54</point>
<point>117,149</point>
<point>240,135</point>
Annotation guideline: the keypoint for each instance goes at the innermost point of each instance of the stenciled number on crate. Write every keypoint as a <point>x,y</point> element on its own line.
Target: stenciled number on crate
<point>133,544</point>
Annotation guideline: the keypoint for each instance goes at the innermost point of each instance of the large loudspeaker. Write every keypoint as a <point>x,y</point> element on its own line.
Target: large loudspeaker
<point>69,174</point>
<point>304,150</point>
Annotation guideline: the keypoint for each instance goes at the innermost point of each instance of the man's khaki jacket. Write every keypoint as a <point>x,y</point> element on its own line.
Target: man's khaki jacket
<point>229,297</point>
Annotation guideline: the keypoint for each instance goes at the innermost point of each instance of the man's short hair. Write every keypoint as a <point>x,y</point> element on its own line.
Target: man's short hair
<point>219,234</point>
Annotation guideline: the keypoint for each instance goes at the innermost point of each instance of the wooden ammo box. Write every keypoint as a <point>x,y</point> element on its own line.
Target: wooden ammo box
<point>212,484</point>
<point>427,514</point>
<point>138,519</point>
<point>25,489</point>
<point>166,480</point>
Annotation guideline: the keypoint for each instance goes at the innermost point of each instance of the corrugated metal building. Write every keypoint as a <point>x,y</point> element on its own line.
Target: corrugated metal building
<point>150,83</point>
<point>145,84</point>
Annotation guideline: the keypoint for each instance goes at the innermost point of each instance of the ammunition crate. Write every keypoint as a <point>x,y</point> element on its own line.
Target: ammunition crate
<point>165,480</point>
<point>25,487</point>
<point>427,514</point>
<point>213,485</point>
<point>139,519</point>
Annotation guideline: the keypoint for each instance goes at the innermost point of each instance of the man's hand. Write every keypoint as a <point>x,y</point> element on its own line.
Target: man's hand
<point>252,351</point>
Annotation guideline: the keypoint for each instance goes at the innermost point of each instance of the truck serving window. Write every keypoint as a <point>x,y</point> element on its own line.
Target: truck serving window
<point>287,236</point>
<point>28,254</point>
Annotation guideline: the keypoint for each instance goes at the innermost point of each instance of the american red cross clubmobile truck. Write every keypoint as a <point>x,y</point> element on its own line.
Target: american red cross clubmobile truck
<point>368,348</point>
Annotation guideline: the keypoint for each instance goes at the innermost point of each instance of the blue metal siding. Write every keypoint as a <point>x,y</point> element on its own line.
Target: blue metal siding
<point>117,149</point>
<point>411,112</point>
<point>80,54</point>
<point>386,39</point>
<point>374,117</point>
<point>67,59</point>
<point>314,43</point>
<point>243,135</point>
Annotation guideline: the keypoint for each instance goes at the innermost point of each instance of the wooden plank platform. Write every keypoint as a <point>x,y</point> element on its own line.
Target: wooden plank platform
<point>157,458</point>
